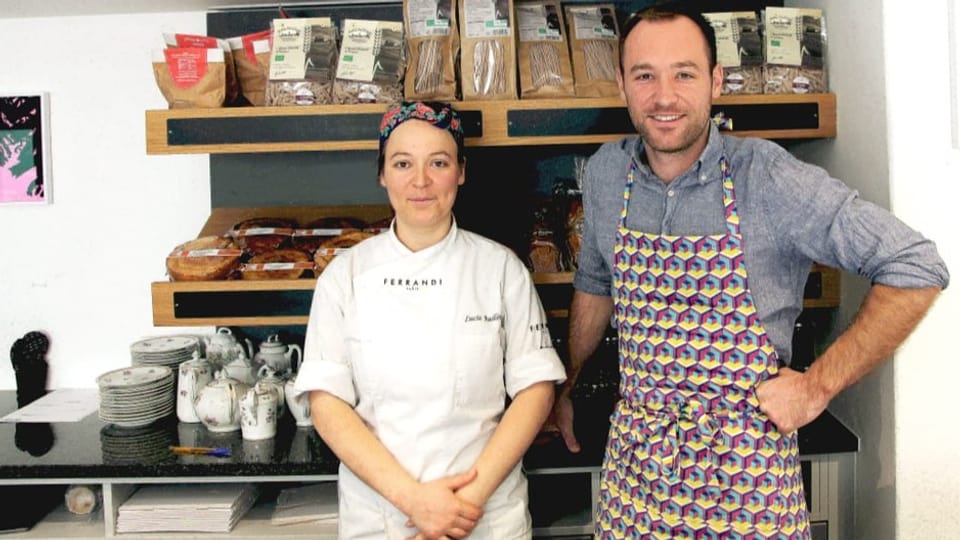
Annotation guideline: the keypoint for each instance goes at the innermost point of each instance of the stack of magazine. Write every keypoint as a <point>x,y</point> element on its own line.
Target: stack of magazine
<point>310,502</point>
<point>186,508</point>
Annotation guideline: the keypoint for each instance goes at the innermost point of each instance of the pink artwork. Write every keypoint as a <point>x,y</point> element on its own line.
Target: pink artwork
<point>24,152</point>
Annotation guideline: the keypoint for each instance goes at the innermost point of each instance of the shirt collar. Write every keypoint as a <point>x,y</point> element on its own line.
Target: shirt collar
<point>704,170</point>
<point>447,240</point>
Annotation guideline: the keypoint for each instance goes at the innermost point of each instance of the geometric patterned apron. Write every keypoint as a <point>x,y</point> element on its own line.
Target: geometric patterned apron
<point>690,454</point>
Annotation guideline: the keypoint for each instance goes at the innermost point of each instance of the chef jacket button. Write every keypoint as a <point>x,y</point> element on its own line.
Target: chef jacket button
<point>670,193</point>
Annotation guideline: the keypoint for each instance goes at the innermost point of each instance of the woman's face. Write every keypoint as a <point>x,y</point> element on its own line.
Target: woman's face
<point>421,175</point>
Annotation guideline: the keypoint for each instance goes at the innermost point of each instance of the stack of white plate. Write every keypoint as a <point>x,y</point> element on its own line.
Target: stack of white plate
<point>136,396</point>
<point>167,351</point>
<point>136,445</point>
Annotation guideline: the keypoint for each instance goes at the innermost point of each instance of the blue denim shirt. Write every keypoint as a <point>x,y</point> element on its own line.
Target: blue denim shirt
<point>792,214</point>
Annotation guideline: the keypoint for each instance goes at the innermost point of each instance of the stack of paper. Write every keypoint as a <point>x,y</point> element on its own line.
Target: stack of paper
<point>186,508</point>
<point>313,502</point>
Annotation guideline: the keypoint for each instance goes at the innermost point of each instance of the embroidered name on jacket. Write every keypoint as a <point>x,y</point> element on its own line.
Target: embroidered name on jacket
<point>495,317</point>
<point>412,284</point>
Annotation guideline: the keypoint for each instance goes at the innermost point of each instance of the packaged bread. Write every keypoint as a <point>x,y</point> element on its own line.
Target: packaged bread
<point>251,56</point>
<point>191,77</point>
<point>303,62</point>
<point>179,41</point>
<point>542,53</point>
<point>488,55</point>
<point>371,64</point>
<point>739,51</point>
<point>794,51</point>
<point>336,245</point>
<point>204,259</point>
<point>594,49</point>
<point>574,227</point>
<point>544,253</point>
<point>278,264</point>
<point>433,46</point>
<point>262,234</point>
<point>309,237</point>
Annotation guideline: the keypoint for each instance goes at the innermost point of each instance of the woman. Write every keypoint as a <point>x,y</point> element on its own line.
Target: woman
<point>416,337</point>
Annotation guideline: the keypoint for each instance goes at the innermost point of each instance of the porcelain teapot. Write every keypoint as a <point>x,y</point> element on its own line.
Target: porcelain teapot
<point>298,405</point>
<point>242,369</point>
<point>223,347</point>
<point>258,412</point>
<point>218,403</point>
<point>282,358</point>
<point>270,379</point>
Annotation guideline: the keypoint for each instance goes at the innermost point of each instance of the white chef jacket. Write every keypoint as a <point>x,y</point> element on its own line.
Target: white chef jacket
<point>426,346</point>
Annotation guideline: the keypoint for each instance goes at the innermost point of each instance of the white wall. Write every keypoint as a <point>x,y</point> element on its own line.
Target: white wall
<point>80,269</point>
<point>923,177</point>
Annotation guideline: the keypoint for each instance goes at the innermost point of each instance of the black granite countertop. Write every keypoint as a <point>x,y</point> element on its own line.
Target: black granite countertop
<point>93,449</point>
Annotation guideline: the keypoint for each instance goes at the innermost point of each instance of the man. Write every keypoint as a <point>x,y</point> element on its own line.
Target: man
<point>698,246</point>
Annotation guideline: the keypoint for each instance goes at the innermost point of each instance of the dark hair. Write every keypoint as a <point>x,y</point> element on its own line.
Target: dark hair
<point>669,11</point>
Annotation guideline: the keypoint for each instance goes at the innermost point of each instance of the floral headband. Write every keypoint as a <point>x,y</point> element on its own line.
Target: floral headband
<point>441,115</point>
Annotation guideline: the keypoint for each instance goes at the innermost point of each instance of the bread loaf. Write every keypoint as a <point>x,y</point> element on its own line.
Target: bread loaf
<point>330,248</point>
<point>204,259</point>
<point>309,237</point>
<point>263,234</point>
<point>545,255</point>
<point>278,264</point>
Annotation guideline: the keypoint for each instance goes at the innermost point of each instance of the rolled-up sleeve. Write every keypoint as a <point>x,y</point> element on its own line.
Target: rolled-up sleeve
<point>530,356</point>
<point>829,223</point>
<point>326,357</point>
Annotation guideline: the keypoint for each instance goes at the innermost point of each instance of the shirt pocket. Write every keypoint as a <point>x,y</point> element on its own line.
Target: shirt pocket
<point>478,360</point>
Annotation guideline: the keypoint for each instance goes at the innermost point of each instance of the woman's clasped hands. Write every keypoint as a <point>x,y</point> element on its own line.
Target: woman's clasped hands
<point>438,512</point>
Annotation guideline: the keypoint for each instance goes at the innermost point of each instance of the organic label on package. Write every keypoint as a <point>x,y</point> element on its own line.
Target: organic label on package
<point>538,22</point>
<point>428,18</point>
<point>794,36</point>
<point>486,18</point>
<point>292,39</point>
<point>371,50</point>
<point>592,23</point>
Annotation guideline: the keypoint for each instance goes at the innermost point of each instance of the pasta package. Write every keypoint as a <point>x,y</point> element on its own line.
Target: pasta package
<point>179,41</point>
<point>303,60</point>
<point>433,43</point>
<point>594,49</point>
<point>488,57</point>
<point>794,51</point>
<point>372,62</point>
<point>251,56</point>
<point>542,52</point>
<point>191,77</point>
<point>739,51</point>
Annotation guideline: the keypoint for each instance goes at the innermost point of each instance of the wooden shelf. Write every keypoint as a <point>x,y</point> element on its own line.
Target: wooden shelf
<point>287,302</point>
<point>486,123</point>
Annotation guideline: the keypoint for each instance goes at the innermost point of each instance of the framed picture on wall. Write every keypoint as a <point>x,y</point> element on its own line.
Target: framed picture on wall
<point>24,148</point>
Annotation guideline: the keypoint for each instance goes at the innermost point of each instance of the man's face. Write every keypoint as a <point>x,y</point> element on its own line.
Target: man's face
<point>668,86</point>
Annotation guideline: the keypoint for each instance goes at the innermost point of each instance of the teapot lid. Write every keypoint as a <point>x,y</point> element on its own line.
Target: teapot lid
<point>272,342</point>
